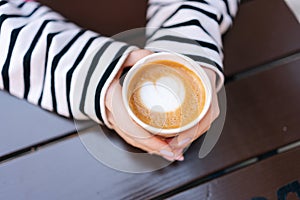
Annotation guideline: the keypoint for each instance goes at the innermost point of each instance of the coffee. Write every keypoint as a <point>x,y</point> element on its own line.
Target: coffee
<point>166,94</point>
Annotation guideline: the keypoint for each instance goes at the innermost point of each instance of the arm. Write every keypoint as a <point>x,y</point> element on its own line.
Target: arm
<point>65,69</point>
<point>191,27</point>
<point>55,64</point>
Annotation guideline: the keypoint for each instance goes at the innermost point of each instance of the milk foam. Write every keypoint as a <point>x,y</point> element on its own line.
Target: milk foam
<point>165,95</point>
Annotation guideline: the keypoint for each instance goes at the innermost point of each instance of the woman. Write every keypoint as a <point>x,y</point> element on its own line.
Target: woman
<point>74,72</point>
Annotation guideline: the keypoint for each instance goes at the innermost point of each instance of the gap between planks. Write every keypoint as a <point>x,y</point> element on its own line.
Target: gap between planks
<point>263,67</point>
<point>226,171</point>
<point>238,76</point>
<point>38,146</point>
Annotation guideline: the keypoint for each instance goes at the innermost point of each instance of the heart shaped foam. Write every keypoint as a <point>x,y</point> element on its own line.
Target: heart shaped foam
<point>164,95</point>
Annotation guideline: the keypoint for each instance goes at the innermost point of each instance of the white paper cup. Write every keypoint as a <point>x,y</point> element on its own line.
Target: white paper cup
<point>188,63</point>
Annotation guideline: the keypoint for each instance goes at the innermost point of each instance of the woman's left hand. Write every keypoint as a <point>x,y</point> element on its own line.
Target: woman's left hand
<point>171,148</point>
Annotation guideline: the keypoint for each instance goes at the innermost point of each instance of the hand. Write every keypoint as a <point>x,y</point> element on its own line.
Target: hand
<point>184,139</point>
<point>171,148</point>
<point>125,126</point>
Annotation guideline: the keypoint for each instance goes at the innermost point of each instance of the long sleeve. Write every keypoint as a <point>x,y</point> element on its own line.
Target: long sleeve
<point>55,64</point>
<point>191,27</point>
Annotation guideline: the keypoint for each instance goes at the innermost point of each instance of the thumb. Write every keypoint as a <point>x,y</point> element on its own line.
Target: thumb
<point>135,56</point>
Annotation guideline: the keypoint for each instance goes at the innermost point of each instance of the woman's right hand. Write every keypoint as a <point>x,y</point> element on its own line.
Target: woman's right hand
<point>122,123</point>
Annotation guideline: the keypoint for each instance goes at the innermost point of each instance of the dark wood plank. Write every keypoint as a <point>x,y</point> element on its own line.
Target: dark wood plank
<point>262,115</point>
<point>23,124</point>
<point>271,179</point>
<point>263,31</point>
<point>263,111</point>
<point>105,17</point>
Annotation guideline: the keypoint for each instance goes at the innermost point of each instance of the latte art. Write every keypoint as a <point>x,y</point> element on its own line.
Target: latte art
<point>168,92</point>
<point>165,94</point>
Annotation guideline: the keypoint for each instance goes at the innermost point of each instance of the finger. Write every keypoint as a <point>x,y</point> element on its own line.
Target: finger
<point>131,59</point>
<point>187,137</point>
<point>126,137</point>
<point>136,55</point>
<point>135,143</point>
<point>214,104</point>
<point>180,150</point>
<point>109,95</point>
<point>138,136</point>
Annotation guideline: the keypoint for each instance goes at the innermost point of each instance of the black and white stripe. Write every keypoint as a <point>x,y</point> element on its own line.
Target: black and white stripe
<point>3,2</point>
<point>72,69</point>
<point>99,92</point>
<point>50,37</point>
<point>45,59</point>
<point>27,57</point>
<point>191,27</point>
<point>57,65</point>
<point>90,72</point>
<point>5,68</point>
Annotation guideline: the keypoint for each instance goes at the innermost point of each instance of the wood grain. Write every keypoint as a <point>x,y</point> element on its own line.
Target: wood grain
<point>263,31</point>
<point>272,178</point>
<point>105,17</point>
<point>262,115</point>
<point>23,124</point>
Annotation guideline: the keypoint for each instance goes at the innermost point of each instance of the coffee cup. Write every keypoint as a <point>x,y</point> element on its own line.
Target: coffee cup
<point>166,93</point>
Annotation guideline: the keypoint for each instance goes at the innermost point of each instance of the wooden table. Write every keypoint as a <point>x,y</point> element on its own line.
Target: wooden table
<point>256,158</point>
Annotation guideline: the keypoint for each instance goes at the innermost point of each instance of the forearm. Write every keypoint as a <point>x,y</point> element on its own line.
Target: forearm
<point>192,28</point>
<point>55,64</point>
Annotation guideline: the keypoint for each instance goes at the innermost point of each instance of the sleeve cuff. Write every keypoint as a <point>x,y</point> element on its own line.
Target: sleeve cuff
<point>108,82</point>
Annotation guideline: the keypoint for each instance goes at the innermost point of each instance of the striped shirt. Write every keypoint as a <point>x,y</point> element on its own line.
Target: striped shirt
<point>53,63</point>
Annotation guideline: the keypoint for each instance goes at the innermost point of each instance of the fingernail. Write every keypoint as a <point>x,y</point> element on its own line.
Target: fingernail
<point>184,141</point>
<point>180,158</point>
<point>167,153</point>
<point>168,158</point>
<point>178,152</point>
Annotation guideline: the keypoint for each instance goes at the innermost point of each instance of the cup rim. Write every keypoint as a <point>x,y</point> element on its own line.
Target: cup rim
<point>187,62</point>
